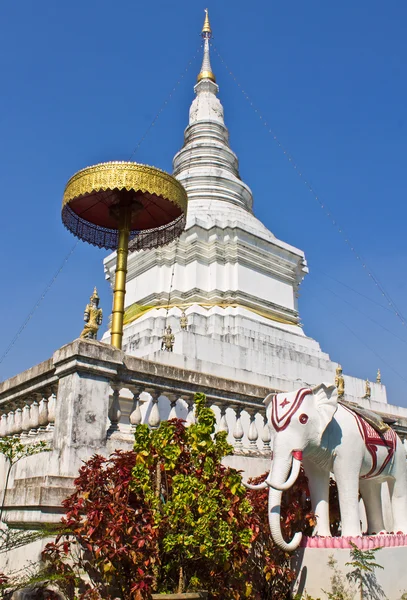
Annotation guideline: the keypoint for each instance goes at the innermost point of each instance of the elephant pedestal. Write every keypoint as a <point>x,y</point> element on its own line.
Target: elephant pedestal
<point>314,567</point>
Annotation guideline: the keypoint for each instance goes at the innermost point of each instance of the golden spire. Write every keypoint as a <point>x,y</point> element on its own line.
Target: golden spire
<point>206,26</point>
<point>206,69</point>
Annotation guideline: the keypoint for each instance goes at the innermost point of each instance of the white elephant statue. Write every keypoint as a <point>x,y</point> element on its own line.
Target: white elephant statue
<point>311,428</point>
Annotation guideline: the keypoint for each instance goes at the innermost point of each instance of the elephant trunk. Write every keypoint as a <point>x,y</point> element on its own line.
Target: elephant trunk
<point>275,523</point>
<point>278,482</point>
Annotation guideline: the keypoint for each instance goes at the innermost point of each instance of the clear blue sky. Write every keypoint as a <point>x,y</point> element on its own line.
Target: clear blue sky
<point>81,82</point>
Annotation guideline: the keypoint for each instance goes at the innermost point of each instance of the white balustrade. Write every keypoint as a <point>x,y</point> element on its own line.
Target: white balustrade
<point>173,401</point>
<point>26,420</point>
<point>154,418</point>
<point>266,435</point>
<point>190,420</point>
<point>238,432</point>
<point>114,412</point>
<point>223,424</point>
<point>34,418</point>
<point>18,421</point>
<point>3,425</point>
<point>51,411</point>
<point>135,416</point>
<point>43,414</point>
<point>10,423</point>
<point>253,434</point>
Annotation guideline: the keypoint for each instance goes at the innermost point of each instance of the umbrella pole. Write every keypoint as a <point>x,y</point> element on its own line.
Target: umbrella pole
<point>120,277</point>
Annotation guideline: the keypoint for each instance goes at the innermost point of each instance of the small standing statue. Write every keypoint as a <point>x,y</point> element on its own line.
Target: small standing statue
<point>93,317</point>
<point>368,390</point>
<point>183,321</point>
<point>340,382</point>
<point>168,340</point>
<point>378,376</point>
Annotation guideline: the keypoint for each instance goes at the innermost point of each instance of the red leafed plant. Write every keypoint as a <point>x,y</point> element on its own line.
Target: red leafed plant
<point>109,534</point>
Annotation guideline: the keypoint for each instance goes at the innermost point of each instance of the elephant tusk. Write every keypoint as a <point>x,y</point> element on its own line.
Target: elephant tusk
<point>295,470</point>
<point>256,486</point>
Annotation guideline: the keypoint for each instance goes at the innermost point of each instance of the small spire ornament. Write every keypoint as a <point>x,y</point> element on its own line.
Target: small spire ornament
<point>168,340</point>
<point>368,390</point>
<point>206,69</point>
<point>340,382</point>
<point>378,376</point>
<point>93,317</point>
<point>183,321</point>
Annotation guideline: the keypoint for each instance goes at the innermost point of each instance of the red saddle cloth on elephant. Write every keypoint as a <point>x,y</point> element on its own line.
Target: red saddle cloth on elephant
<point>374,441</point>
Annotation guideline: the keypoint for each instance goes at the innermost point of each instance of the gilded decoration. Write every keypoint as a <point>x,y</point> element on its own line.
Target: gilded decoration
<point>125,175</point>
<point>93,317</point>
<point>340,382</point>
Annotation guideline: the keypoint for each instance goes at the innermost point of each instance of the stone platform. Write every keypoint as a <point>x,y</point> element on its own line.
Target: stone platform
<point>314,574</point>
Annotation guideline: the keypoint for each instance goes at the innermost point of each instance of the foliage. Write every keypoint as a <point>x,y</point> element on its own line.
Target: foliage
<point>362,575</point>
<point>205,521</point>
<point>13,451</point>
<point>109,533</point>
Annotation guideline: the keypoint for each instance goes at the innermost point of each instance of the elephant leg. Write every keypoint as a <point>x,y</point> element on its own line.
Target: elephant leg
<point>347,480</point>
<point>318,481</point>
<point>398,491</point>
<point>371,491</point>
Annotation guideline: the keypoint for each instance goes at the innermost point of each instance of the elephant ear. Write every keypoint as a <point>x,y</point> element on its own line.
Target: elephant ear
<point>326,399</point>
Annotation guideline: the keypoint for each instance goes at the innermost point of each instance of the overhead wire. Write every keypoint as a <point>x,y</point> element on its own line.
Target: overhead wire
<point>37,304</point>
<point>362,341</point>
<point>361,312</point>
<point>310,188</point>
<point>67,257</point>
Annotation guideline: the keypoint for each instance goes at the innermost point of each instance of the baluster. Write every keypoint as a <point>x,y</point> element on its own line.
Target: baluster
<point>190,420</point>
<point>114,413</point>
<point>51,411</point>
<point>34,418</point>
<point>173,398</point>
<point>18,421</point>
<point>154,418</point>
<point>3,425</point>
<point>238,429</point>
<point>253,434</point>
<point>10,423</point>
<point>223,424</point>
<point>135,416</point>
<point>266,435</point>
<point>43,414</point>
<point>26,420</point>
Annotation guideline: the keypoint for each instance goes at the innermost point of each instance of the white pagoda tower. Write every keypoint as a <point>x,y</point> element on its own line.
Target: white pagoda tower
<point>235,281</point>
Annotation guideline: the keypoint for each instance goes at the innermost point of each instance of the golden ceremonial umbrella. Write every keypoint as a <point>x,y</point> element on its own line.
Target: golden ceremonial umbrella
<point>124,206</point>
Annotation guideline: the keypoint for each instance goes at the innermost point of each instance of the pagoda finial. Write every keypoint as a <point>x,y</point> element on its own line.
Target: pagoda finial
<point>206,69</point>
<point>206,29</point>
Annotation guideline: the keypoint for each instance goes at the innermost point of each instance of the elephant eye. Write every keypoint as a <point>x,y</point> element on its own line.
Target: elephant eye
<point>303,418</point>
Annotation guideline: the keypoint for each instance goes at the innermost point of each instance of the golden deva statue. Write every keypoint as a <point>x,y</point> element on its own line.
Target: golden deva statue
<point>183,321</point>
<point>340,382</point>
<point>93,317</point>
<point>378,376</point>
<point>168,340</point>
<point>368,390</point>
